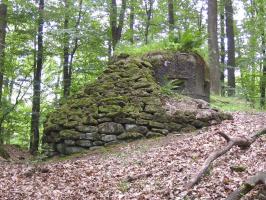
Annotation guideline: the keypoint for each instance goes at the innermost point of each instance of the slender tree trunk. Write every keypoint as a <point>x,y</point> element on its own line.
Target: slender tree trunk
<point>66,89</point>
<point>117,26</point>
<point>222,52</point>
<point>132,20</point>
<point>213,47</point>
<point>3,23</point>
<point>35,119</point>
<point>148,9</point>
<point>231,46</point>
<point>171,19</point>
<point>72,54</point>
<point>263,78</point>
<point>11,87</point>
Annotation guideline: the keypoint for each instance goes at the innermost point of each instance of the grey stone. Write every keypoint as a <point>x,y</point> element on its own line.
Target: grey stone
<point>98,143</point>
<point>104,119</point>
<point>87,129</point>
<point>70,150</point>
<point>112,143</point>
<point>109,138</point>
<point>198,123</point>
<point>96,148</point>
<point>156,124</point>
<point>60,148</point>
<point>130,135</point>
<point>111,128</point>
<point>69,142</point>
<point>124,120</point>
<point>151,134</point>
<point>136,128</point>
<point>142,122</point>
<point>173,126</point>
<point>84,143</point>
<point>162,131</point>
<point>69,134</point>
<point>89,136</point>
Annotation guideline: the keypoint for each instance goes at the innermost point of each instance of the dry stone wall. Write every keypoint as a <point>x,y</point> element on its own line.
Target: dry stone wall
<point>124,104</point>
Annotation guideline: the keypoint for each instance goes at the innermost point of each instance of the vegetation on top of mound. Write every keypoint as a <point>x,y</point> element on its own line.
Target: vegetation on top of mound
<point>187,42</point>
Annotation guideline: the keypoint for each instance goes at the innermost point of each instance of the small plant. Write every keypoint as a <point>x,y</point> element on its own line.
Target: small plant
<point>123,186</point>
<point>172,86</point>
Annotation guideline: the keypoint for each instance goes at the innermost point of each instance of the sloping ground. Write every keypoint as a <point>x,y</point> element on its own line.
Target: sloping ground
<point>13,153</point>
<point>153,169</point>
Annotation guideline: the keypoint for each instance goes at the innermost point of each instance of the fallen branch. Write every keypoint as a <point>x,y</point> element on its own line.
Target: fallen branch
<point>242,143</point>
<point>246,187</point>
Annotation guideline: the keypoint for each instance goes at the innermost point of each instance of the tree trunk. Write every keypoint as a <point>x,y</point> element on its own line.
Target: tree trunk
<point>132,21</point>
<point>72,54</point>
<point>171,19</point>
<point>213,47</point>
<point>117,26</point>
<point>35,119</point>
<point>222,52</point>
<point>148,9</point>
<point>263,78</point>
<point>231,46</point>
<point>66,90</point>
<point>3,23</point>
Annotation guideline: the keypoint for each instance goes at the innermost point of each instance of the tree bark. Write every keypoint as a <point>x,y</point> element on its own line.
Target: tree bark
<point>171,19</point>
<point>66,78</point>
<point>222,51</point>
<point>76,45</point>
<point>3,24</point>
<point>148,10</point>
<point>117,26</point>
<point>243,143</point>
<point>231,46</point>
<point>132,20</point>
<point>263,77</point>
<point>35,118</point>
<point>213,47</point>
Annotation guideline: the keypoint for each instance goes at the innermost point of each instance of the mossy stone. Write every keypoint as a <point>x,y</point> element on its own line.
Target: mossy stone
<point>151,134</point>
<point>130,135</point>
<point>156,124</point>
<point>71,124</point>
<point>109,109</point>
<point>111,128</point>
<point>69,134</point>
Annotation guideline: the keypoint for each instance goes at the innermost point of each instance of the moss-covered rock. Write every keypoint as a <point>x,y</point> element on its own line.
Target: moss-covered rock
<point>127,102</point>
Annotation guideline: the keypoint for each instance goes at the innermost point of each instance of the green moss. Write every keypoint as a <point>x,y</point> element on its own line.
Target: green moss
<point>116,100</point>
<point>109,109</point>
<point>69,134</point>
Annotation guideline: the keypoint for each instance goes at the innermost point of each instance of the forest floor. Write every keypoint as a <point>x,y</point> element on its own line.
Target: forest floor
<point>149,169</point>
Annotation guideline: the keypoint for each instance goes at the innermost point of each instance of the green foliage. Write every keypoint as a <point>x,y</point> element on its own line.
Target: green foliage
<point>188,42</point>
<point>231,104</point>
<point>171,86</point>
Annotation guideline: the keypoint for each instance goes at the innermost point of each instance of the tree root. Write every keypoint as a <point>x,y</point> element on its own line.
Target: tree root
<point>247,186</point>
<point>243,143</point>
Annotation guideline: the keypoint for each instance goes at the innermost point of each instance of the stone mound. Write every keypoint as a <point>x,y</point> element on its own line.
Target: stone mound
<point>125,103</point>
